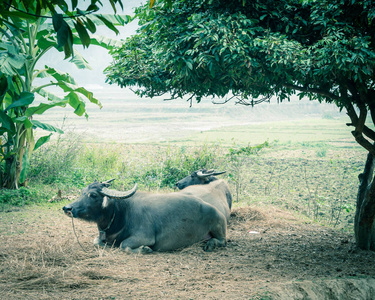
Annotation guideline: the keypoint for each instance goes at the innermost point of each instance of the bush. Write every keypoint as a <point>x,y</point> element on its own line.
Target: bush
<point>322,152</point>
<point>67,162</point>
<point>181,163</point>
<point>19,197</point>
<point>320,188</point>
<point>56,162</point>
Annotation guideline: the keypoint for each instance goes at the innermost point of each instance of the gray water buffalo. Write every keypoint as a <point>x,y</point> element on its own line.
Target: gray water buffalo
<point>143,222</point>
<point>204,185</point>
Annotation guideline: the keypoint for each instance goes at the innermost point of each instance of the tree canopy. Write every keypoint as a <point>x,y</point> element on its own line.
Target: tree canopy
<point>254,50</point>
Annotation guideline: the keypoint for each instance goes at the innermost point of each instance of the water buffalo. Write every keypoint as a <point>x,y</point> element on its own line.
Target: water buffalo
<point>142,222</point>
<point>204,185</point>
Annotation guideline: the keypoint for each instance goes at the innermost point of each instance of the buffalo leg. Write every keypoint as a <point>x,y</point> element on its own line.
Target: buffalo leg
<point>218,233</point>
<point>214,243</point>
<point>139,250</point>
<point>137,244</point>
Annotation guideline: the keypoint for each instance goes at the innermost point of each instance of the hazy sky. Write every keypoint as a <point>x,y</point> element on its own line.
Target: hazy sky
<point>97,57</point>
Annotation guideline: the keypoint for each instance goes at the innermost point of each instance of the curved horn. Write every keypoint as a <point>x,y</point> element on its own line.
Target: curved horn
<point>205,173</point>
<point>117,194</point>
<point>107,183</point>
<point>219,173</point>
<point>211,172</point>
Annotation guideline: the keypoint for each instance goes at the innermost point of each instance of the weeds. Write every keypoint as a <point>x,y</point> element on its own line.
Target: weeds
<point>322,187</point>
<point>238,158</point>
<point>56,162</point>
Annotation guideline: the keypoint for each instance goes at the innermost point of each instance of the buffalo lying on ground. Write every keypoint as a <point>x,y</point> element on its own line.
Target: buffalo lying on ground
<point>143,222</point>
<point>204,185</point>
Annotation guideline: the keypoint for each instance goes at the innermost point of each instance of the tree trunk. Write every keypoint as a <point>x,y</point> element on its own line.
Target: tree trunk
<point>9,175</point>
<point>364,225</point>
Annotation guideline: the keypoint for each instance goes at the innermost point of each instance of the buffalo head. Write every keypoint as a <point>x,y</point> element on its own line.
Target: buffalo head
<point>202,176</point>
<point>94,200</point>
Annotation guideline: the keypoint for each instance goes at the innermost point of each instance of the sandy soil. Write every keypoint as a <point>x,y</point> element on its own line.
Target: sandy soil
<point>271,254</point>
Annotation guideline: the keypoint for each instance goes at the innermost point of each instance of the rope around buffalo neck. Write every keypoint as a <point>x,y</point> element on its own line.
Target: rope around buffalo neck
<point>74,230</point>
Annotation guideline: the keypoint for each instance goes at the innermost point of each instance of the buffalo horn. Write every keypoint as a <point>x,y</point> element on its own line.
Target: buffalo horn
<point>117,194</point>
<point>209,173</point>
<point>107,183</point>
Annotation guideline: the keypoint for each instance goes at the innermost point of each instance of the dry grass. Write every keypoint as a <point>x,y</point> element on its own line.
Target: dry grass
<point>41,259</point>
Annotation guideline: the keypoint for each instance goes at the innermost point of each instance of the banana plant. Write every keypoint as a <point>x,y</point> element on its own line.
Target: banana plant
<point>27,34</point>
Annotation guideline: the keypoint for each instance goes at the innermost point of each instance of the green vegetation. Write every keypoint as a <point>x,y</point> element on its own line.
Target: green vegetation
<point>317,179</point>
<point>305,132</point>
<point>29,30</point>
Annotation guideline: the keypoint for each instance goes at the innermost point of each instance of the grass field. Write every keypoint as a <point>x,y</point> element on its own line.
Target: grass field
<point>295,132</point>
<point>153,121</point>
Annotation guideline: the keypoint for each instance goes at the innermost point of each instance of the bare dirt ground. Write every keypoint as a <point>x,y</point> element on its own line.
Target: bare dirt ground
<point>271,254</point>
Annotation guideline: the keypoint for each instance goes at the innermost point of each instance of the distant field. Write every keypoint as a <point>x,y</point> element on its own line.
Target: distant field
<point>334,132</point>
<point>127,119</point>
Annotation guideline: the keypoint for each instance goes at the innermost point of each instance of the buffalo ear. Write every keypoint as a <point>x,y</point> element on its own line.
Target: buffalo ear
<point>105,202</point>
<point>206,179</point>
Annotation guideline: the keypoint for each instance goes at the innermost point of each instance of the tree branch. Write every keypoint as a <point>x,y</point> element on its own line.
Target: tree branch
<point>226,100</point>
<point>243,101</point>
<point>358,123</point>
<point>48,17</point>
<point>355,119</point>
<point>311,90</point>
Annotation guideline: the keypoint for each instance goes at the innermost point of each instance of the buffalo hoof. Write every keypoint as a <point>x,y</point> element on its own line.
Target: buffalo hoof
<point>140,250</point>
<point>214,243</point>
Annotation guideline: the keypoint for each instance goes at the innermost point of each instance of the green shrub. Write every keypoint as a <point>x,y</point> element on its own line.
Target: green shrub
<point>322,152</point>
<point>56,162</point>
<point>19,197</point>
<point>322,189</point>
<point>180,162</point>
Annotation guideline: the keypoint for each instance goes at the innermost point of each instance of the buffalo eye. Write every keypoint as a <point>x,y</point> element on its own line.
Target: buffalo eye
<point>93,195</point>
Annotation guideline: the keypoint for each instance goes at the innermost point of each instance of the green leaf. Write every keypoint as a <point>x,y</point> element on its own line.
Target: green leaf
<point>46,42</point>
<point>10,59</point>
<point>60,27</point>
<point>76,103</point>
<point>90,25</point>
<point>63,33</point>
<point>110,21</point>
<point>26,122</point>
<point>80,61</point>
<point>42,107</point>
<point>105,42</point>
<point>50,96</point>
<point>82,32</point>
<point>68,47</point>
<point>189,65</point>
<point>46,127</point>
<point>3,88</point>
<point>7,123</point>
<point>59,76</point>
<point>26,98</point>
<point>74,4</point>
<point>42,140</point>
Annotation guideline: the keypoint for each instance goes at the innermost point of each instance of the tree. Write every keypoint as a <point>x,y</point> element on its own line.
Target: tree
<point>28,30</point>
<point>253,50</point>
